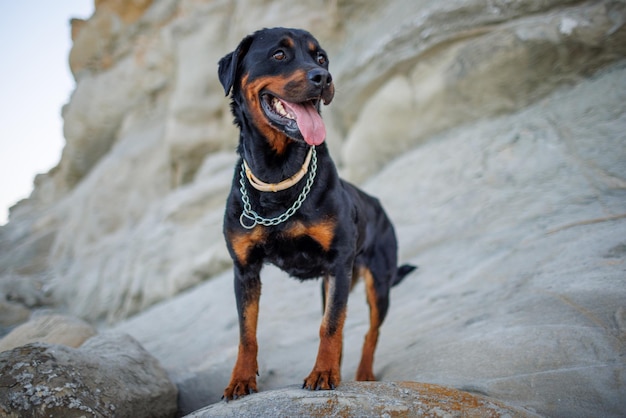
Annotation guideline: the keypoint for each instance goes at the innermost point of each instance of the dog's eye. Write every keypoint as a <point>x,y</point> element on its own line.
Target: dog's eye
<point>321,59</point>
<point>279,55</point>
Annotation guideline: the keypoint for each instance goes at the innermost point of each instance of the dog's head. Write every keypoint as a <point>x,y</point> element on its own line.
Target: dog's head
<point>279,78</point>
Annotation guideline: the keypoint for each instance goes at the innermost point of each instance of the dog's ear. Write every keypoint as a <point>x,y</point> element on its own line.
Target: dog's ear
<point>228,65</point>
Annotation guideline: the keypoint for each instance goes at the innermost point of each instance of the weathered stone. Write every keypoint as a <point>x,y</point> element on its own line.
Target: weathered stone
<point>109,376</point>
<point>12,314</point>
<point>51,329</point>
<point>128,11</point>
<point>364,399</point>
<point>28,255</point>
<point>97,40</point>
<point>440,77</point>
<point>19,294</point>
<point>27,290</point>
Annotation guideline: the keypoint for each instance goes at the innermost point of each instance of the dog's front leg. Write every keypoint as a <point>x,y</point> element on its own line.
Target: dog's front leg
<point>247,293</point>
<point>326,373</point>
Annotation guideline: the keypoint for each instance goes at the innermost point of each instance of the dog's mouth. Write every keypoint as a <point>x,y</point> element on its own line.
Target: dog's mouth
<point>301,121</point>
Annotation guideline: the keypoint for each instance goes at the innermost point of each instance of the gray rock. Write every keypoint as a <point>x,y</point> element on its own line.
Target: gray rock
<point>364,399</point>
<point>12,314</point>
<point>51,329</point>
<point>26,290</point>
<point>19,295</point>
<point>414,69</point>
<point>109,376</point>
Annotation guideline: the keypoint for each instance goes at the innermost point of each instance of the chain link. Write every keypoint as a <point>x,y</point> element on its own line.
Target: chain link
<point>257,219</point>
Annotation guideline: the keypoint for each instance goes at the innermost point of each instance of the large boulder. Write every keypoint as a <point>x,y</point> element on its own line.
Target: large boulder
<point>109,376</point>
<point>371,399</point>
<point>51,329</point>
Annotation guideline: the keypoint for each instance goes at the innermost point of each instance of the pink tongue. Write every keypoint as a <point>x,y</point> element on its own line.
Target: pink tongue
<point>309,122</point>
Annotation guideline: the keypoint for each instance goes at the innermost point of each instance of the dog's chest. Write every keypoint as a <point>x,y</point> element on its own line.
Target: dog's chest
<point>302,250</point>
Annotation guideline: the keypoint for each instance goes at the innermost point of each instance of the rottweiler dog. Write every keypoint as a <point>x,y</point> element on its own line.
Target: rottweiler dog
<point>288,206</point>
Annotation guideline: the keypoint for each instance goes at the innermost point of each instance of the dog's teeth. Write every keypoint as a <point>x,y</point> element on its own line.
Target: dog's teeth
<point>280,109</point>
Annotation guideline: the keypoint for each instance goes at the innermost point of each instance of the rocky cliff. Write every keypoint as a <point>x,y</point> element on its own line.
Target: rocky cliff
<point>493,132</point>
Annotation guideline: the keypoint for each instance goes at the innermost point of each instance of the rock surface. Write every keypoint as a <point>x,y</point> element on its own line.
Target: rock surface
<point>19,296</point>
<point>492,131</point>
<point>109,376</point>
<point>51,329</point>
<point>364,399</point>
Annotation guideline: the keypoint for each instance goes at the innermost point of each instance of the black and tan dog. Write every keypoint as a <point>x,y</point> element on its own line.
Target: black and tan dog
<point>288,206</point>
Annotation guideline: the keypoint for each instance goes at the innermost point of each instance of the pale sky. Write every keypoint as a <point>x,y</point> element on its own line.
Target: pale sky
<point>35,82</point>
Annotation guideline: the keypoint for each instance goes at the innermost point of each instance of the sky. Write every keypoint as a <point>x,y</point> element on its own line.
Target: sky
<point>35,83</point>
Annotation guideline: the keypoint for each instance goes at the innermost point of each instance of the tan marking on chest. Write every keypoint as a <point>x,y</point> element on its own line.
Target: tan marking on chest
<point>242,243</point>
<point>321,232</point>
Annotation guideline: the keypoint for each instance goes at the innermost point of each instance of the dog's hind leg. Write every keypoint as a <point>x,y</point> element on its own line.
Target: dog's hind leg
<point>378,300</point>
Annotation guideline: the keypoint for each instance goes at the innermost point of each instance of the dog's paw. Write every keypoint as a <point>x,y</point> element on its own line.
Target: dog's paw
<point>322,380</point>
<point>365,376</point>
<point>239,387</point>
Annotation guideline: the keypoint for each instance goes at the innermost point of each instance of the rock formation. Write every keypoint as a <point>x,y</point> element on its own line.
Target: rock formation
<point>364,399</point>
<point>109,376</point>
<point>492,131</point>
<point>52,329</point>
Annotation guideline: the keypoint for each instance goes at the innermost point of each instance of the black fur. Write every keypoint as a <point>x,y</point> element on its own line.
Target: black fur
<point>338,229</point>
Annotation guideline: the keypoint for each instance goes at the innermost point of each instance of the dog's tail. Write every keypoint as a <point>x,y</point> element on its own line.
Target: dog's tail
<point>402,272</point>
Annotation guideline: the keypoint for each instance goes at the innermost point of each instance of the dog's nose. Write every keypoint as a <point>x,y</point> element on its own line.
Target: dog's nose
<point>320,77</point>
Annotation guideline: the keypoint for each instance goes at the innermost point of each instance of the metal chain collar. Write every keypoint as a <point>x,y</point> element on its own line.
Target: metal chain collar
<point>255,218</point>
